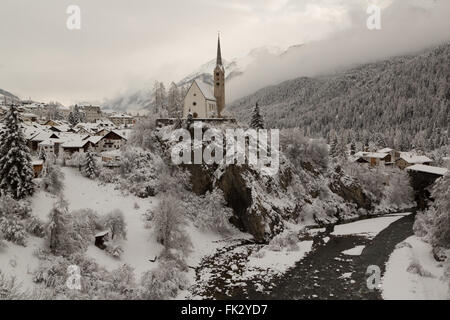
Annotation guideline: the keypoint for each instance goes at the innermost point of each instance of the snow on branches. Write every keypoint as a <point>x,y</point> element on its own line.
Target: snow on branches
<point>16,172</point>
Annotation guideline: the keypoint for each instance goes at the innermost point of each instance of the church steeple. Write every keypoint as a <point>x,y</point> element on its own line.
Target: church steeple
<point>219,52</point>
<point>219,81</point>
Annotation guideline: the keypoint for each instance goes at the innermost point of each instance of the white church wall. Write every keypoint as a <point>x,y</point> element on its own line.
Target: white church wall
<point>196,103</point>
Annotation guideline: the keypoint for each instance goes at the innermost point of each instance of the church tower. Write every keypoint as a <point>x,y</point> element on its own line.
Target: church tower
<point>219,82</point>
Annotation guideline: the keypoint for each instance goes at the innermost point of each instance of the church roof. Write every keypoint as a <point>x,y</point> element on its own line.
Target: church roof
<point>219,53</point>
<point>206,90</point>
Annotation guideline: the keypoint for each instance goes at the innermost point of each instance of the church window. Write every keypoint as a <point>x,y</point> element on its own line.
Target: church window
<point>194,103</point>
<point>217,74</point>
<point>217,84</point>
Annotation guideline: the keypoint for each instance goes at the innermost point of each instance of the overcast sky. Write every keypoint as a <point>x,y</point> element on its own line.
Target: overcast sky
<point>125,44</point>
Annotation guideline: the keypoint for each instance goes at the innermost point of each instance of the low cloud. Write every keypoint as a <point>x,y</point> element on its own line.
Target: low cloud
<point>407,27</point>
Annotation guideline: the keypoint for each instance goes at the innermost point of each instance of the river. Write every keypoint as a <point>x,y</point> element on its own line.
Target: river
<point>326,272</point>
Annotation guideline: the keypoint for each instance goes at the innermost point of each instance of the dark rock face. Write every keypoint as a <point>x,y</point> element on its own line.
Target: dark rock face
<point>251,213</point>
<point>350,192</point>
<point>421,182</point>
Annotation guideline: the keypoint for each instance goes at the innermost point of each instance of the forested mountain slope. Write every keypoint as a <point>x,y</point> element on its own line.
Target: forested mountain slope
<point>405,100</point>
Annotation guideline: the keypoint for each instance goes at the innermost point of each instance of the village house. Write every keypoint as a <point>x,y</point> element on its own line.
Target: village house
<point>30,117</point>
<point>92,113</point>
<point>38,166</point>
<point>407,159</point>
<point>393,154</point>
<point>75,145</point>
<point>422,177</point>
<point>121,119</point>
<point>34,141</point>
<point>112,140</point>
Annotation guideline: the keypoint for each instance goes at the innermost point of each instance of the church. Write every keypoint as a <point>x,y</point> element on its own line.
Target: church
<point>203,101</point>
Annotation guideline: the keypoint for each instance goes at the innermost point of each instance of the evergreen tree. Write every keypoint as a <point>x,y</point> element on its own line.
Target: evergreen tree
<point>352,147</point>
<point>90,169</point>
<point>257,121</point>
<point>16,172</point>
<point>334,145</point>
<point>58,228</point>
<point>174,102</point>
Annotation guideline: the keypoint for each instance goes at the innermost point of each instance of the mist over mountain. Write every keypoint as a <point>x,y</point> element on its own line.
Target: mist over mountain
<point>406,99</point>
<point>142,100</point>
<point>8,95</point>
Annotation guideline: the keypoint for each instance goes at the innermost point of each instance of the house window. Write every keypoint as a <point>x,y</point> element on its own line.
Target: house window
<point>217,74</point>
<point>195,115</point>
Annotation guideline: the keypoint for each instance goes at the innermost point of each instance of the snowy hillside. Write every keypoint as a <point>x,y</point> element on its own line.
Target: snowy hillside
<point>401,98</point>
<point>8,95</point>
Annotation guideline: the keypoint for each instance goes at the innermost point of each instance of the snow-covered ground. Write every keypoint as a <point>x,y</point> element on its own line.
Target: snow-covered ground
<point>279,261</point>
<point>139,247</point>
<point>399,283</point>
<point>356,251</point>
<point>368,227</point>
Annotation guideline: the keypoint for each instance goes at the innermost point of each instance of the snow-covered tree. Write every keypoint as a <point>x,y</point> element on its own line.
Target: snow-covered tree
<point>90,168</point>
<point>437,217</point>
<point>210,213</point>
<point>352,147</point>
<point>257,121</point>
<point>57,226</point>
<point>16,172</point>
<point>399,191</point>
<point>169,221</point>
<point>64,237</point>
<point>53,179</point>
<point>115,222</point>
<point>174,101</point>
<point>143,133</point>
<point>159,96</point>
<point>334,147</point>
<point>164,282</point>
<point>75,116</point>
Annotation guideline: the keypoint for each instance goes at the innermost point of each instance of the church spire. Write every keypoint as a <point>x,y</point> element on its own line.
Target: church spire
<point>219,53</point>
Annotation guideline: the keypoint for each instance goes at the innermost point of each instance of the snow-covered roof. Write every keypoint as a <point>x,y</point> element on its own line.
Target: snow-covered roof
<point>48,142</point>
<point>377,155</point>
<point>414,159</point>
<point>428,169</point>
<point>37,162</point>
<point>361,154</point>
<point>95,139</point>
<point>120,115</point>
<point>385,150</point>
<point>101,234</point>
<point>206,90</point>
<point>43,135</point>
<point>122,133</point>
<point>74,141</point>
